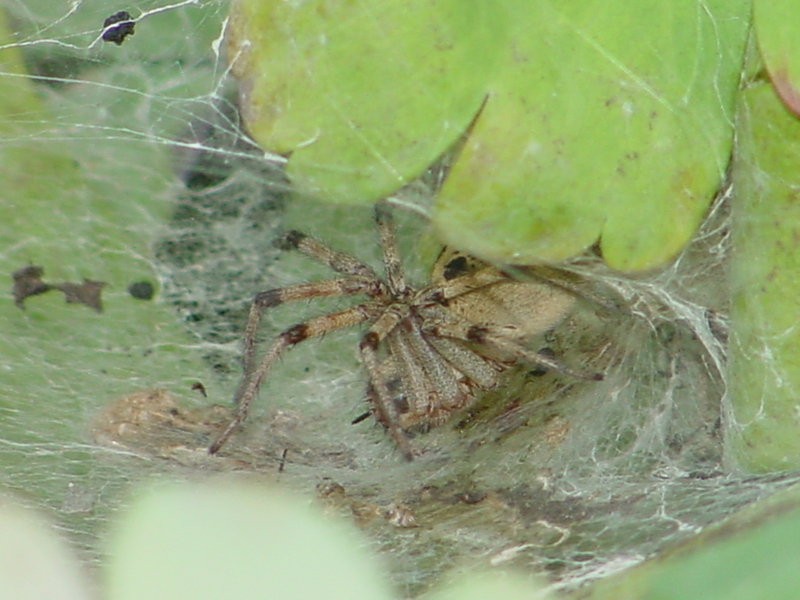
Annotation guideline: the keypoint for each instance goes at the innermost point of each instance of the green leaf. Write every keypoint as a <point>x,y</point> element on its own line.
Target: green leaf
<point>362,95</point>
<point>762,428</point>
<point>601,120</point>
<point>479,586</point>
<point>594,130</point>
<point>776,23</point>
<point>753,554</point>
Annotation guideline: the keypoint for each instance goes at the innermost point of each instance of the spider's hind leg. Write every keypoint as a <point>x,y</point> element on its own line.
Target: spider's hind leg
<point>497,338</point>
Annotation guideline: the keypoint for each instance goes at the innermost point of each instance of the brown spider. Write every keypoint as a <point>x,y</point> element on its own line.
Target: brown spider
<point>427,351</point>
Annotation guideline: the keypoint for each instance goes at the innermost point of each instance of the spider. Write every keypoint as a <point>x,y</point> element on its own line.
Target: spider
<point>427,351</point>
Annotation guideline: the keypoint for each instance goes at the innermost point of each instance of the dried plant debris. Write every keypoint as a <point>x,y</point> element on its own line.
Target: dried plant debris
<point>152,420</point>
<point>28,282</point>
<point>118,26</point>
<point>87,293</point>
<point>338,501</point>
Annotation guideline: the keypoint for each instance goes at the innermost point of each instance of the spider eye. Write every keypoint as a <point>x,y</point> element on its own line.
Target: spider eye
<point>454,268</point>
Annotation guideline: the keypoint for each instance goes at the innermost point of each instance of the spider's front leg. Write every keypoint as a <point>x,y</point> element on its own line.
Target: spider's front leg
<point>304,291</point>
<point>252,378</point>
<point>382,398</point>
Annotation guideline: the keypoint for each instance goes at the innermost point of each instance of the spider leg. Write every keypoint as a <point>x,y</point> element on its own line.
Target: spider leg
<point>304,291</point>
<point>290,337</point>
<point>382,397</point>
<point>498,340</point>
<point>458,286</point>
<point>473,366</point>
<point>432,382</point>
<point>451,326</point>
<point>338,261</point>
<point>391,255</point>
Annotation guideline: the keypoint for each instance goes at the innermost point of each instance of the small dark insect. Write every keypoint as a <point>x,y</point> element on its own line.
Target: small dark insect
<point>200,388</point>
<point>117,27</point>
<point>427,352</point>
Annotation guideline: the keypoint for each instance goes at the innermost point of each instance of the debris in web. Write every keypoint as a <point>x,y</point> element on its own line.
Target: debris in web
<point>117,27</point>
<point>28,282</point>
<point>87,293</point>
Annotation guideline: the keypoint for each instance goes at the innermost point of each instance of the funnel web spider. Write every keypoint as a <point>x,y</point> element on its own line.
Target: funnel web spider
<point>427,352</point>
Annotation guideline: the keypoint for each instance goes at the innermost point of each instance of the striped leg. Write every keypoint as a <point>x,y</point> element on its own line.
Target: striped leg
<point>305,291</point>
<point>289,338</point>
<point>382,397</point>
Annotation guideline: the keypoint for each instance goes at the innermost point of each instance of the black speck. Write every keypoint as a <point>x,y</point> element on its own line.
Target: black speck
<point>123,26</point>
<point>361,417</point>
<point>141,290</point>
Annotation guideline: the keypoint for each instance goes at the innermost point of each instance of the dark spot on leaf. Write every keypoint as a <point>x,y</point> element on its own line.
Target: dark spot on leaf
<point>141,290</point>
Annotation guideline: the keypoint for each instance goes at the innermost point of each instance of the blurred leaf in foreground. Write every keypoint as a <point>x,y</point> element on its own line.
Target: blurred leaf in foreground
<point>226,539</point>
<point>34,563</point>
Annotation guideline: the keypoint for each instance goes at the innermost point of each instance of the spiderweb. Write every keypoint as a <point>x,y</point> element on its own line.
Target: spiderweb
<point>572,479</point>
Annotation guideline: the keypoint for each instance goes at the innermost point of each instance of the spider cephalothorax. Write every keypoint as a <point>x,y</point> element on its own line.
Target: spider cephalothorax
<point>427,351</point>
